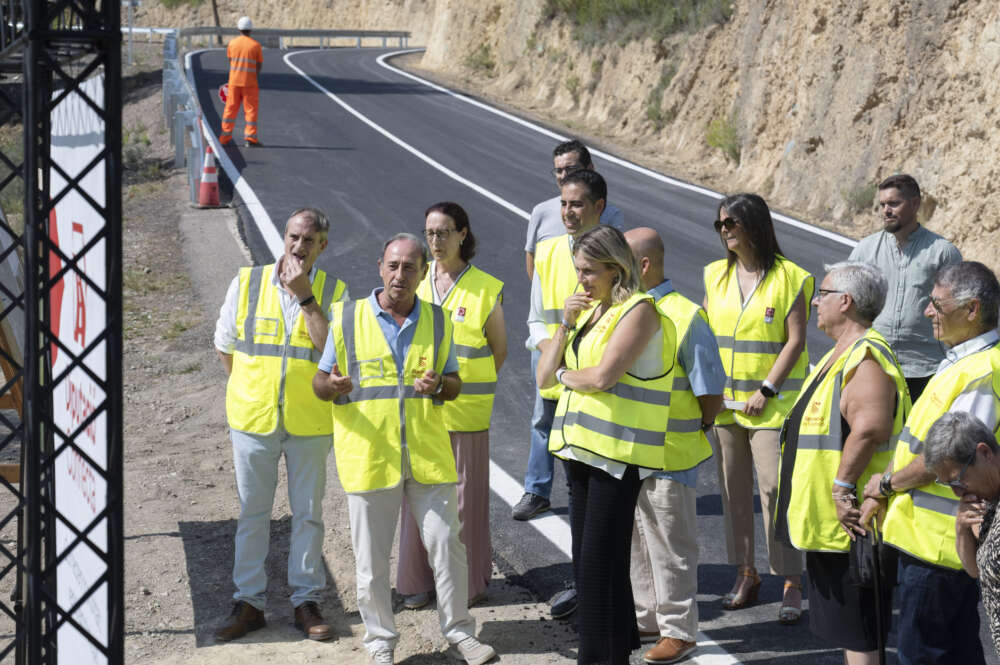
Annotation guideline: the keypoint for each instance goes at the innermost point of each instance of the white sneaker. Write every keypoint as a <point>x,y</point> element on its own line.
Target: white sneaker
<point>381,657</point>
<point>472,651</point>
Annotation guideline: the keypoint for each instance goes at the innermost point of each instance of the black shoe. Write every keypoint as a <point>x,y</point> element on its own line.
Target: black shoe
<point>529,506</point>
<point>254,144</point>
<point>563,603</point>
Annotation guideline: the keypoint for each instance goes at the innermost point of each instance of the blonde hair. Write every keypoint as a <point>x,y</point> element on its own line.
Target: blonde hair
<point>607,245</point>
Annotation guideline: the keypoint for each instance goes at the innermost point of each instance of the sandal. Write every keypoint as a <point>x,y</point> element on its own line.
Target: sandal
<point>736,601</point>
<point>789,614</point>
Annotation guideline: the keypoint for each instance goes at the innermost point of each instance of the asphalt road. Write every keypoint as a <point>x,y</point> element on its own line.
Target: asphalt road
<point>318,153</point>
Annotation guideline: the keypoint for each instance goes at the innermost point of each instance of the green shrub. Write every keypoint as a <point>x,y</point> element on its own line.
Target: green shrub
<point>573,87</point>
<point>655,112</point>
<point>481,60</point>
<point>723,134</point>
<point>860,198</point>
<point>621,20</point>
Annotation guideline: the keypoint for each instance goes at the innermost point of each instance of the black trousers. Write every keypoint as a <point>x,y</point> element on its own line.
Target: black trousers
<point>601,515</point>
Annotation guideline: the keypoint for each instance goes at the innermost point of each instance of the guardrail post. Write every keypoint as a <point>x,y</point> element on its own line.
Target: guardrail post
<point>177,135</point>
<point>383,42</point>
<point>359,42</point>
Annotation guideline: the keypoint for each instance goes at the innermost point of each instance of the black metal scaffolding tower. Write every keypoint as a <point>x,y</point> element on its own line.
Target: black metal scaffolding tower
<point>48,52</point>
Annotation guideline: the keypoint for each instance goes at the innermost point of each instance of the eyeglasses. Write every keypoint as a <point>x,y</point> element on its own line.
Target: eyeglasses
<point>821,293</point>
<point>566,170</point>
<point>936,304</point>
<point>439,235</point>
<point>728,222</point>
<point>958,483</point>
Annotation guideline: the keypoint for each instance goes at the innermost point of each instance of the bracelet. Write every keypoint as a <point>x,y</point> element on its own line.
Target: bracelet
<point>437,391</point>
<point>767,389</point>
<point>567,326</point>
<point>840,483</point>
<point>310,299</point>
<point>559,375</point>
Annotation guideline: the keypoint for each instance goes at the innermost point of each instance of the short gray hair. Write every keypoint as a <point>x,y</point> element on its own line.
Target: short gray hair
<point>971,280</point>
<point>314,216</point>
<point>864,282</point>
<point>424,252</point>
<point>953,438</point>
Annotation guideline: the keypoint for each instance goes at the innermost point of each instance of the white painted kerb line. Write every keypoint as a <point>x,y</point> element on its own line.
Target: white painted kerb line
<point>603,155</point>
<point>555,529</point>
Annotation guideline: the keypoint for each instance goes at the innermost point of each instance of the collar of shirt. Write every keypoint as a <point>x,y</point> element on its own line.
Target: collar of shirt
<point>411,318</point>
<point>968,347</point>
<point>661,289</point>
<point>912,240</point>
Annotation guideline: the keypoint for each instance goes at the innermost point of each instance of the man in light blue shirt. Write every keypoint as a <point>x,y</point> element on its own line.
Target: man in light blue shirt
<point>909,256</point>
<point>664,537</point>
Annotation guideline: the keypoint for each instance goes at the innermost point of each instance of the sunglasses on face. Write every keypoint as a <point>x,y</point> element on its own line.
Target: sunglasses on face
<point>728,222</point>
<point>958,483</point>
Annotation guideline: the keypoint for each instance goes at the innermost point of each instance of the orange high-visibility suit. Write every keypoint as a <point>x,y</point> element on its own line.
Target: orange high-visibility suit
<point>245,60</point>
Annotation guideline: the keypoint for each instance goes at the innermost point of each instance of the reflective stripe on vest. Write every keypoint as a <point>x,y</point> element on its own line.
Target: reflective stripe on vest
<point>687,445</point>
<point>469,303</point>
<point>627,422</point>
<point>921,521</point>
<point>273,367</point>
<point>751,336</point>
<point>811,515</point>
<point>383,413</point>
<point>557,277</point>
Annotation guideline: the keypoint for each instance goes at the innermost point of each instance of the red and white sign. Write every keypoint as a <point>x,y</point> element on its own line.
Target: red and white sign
<point>224,92</point>
<point>78,318</point>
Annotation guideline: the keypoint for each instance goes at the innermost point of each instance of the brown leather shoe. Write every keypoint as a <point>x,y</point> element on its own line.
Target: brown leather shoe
<point>245,618</point>
<point>311,622</point>
<point>669,650</point>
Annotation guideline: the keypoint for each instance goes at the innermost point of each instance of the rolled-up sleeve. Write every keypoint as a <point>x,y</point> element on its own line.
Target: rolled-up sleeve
<point>537,331</point>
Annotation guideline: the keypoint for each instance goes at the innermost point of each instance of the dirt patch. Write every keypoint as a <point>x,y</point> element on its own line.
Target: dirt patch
<point>181,502</point>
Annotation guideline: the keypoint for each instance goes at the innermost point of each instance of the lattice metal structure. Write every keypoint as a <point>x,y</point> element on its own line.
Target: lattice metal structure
<point>61,584</point>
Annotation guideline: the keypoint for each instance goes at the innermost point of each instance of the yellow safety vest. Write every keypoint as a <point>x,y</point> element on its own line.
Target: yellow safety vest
<point>372,422</point>
<point>470,302</point>
<point>557,276</point>
<point>921,521</point>
<point>751,336</point>
<point>628,421</point>
<point>812,515</point>
<point>273,368</point>
<point>686,444</point>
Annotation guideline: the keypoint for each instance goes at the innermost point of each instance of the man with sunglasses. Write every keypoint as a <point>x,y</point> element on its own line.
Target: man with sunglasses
<point>938,600</point>
<point>546,217</point>
<point>909,255</point>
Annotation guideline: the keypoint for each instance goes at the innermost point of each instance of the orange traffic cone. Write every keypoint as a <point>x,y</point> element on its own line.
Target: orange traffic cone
<point>208,191</point>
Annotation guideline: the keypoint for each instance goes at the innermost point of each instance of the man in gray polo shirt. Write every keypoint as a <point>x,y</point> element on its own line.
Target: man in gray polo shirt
<point>909,255</point>
<point>546,217</point>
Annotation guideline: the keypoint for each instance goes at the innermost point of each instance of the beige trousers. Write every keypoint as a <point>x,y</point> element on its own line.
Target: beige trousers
<point>665,559</point>
<point>738,453</point>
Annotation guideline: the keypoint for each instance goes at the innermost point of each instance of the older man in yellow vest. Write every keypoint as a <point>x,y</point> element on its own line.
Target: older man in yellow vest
<point>269,336</point>
<point>938,615</point>
<point>388,365</point>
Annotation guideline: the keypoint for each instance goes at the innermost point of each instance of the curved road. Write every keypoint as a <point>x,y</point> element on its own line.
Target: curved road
<point>373,148</point>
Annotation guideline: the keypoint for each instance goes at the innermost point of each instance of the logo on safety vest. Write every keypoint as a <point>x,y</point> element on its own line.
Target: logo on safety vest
<point>460,314</point>
<point>769,315</point>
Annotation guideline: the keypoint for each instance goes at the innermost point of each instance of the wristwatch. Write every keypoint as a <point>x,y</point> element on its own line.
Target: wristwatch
<point>885,484</point>
<point>437,391</point>
<point>706,426</point>
<point>766,391</point>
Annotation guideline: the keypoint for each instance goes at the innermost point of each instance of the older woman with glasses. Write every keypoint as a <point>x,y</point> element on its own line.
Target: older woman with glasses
<point>840,431</point>
<point>964,455</point>
<point>756,301</point>
<point>473,298</point>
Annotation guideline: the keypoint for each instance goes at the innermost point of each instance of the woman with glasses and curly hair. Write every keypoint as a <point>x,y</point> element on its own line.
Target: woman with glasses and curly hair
<point>756,301</point>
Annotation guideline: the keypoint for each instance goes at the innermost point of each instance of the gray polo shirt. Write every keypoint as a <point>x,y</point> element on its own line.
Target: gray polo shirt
<point>546,222</point>
<point>910,272</point>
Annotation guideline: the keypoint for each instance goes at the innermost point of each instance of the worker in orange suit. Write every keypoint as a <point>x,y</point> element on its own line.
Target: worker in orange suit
<point>245,60</point>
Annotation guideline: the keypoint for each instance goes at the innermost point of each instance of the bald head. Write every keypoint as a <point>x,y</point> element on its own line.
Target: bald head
<point>647,246</point>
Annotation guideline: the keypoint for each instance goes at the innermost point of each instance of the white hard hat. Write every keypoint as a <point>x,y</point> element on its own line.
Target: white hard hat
<point>244,23</point>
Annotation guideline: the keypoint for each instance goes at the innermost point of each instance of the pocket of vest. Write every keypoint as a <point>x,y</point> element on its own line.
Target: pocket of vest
<point>371,369</point>
<point>265,327</point>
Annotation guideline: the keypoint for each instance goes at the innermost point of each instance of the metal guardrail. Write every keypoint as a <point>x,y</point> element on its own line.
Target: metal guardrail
<point>181,109</point>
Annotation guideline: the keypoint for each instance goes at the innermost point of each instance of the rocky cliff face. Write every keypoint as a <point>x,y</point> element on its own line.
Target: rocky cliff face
<point>810,103</point>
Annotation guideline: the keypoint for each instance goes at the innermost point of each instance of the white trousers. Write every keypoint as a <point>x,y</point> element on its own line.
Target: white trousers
<point>255,458</point>
<point>373,527</point>
<point>665,559</point>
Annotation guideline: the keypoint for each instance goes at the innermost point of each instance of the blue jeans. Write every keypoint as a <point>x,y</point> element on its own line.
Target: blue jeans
<point>938,615</point>
<point>256,460</point>
<point>541,463</point>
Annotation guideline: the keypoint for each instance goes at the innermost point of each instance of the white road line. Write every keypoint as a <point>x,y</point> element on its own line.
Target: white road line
<point>554,528</point>
<point>611,158</point>
<point>260,217</point>
<point>404,145</point>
